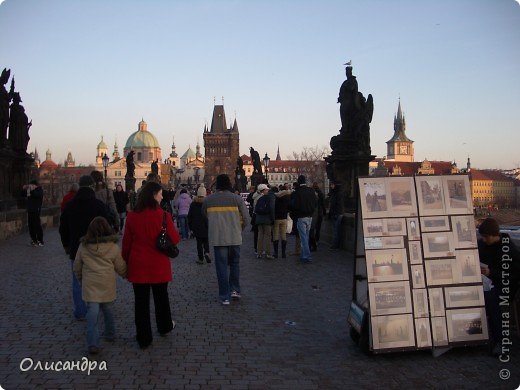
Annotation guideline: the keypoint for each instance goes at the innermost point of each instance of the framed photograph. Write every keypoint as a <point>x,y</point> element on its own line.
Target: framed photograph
<point>430,195</point>
<point>464,231</point>
<point>418,276</point>
<point>441,272</point>
<point>414,252</point>
<point>439,331</point>
<point>373,242</point>
<point>438,244</point>
<point>468,263</point>
<point>394,331</point>
<point>420,303</point>
<point>402,197</point>
<point>393,242</point>
<point>412,225</point>
<point>464,296</point>
<point>390,298</point>
<point>374,203</point>
<point>457,194</point>
<point>356,316</point>
<point>436,302</point>
<point>435,224</point>
<point>394,227</point>
<point>386,265</point>
<point>467,324</point>
<point>372,227</point>
<point>422,331</point>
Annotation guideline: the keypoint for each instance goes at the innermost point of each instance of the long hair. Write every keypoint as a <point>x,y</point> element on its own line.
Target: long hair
<point>146,198</point>
<point>98,228</point>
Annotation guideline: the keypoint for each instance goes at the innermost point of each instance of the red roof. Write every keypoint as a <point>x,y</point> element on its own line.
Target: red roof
<point>48,165</point>
<point>488,174</point>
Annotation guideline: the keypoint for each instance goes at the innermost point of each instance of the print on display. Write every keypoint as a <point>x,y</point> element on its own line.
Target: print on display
<point>440,272</point>
<point>417,276</point>
<point>464,231</point>
<point>467,324</point>
<point>435,224</point>
<point>469,265</point>
<point>402,197</point>
<point>390,298</point>
<point>464,296</point>
<point>414,252</point>
<point>436,302</point>
<point>413,228</point>
<point>430,195</point>
<point>394,227</point>
<point>386,265</point>
<point>394,331</point>
<point>420,303</point>
<point>373,227</point>
<point>439,331</point>
<point>422,330</point>
<point>374,202</point>
<point>457,194</point>
<point>438,244</point>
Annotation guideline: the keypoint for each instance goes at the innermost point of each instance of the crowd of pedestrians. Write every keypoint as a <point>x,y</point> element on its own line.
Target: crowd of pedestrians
<point>94,217</point>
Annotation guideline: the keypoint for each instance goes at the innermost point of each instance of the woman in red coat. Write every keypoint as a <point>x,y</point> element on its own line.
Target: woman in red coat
<point>148,268</point>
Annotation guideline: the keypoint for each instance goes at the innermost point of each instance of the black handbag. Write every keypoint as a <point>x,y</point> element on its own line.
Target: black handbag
<point>164,243</point>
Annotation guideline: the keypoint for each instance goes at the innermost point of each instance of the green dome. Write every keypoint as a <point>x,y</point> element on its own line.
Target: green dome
<point>142,139</point>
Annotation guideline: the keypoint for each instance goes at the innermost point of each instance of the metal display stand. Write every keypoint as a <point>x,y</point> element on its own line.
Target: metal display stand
<point>361,313</point>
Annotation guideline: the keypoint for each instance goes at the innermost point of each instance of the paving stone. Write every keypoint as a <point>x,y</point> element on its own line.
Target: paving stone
<point>244,345</point>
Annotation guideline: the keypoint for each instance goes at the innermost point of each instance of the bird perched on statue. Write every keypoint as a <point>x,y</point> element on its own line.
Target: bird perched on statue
<point>348,63</point>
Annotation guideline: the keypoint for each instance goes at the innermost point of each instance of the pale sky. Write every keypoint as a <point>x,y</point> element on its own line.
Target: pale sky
<point>91,68</point>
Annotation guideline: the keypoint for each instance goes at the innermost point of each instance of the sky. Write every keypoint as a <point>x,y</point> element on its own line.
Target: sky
<point>90,68</point>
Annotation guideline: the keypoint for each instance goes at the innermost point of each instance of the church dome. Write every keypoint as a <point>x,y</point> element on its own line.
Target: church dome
<point>142,138</point>
<point>189,154</point>
<point>102,144</point>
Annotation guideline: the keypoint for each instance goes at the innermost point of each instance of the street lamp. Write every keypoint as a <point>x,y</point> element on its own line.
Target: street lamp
<point>266,165</point>
<point>105,160</point>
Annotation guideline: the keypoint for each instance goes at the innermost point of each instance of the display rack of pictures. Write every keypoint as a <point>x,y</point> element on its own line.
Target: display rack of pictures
<point>423,282</point>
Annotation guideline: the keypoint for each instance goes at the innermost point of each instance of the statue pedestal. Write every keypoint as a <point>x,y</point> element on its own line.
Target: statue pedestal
<point>344,169</point>
<point>257,178</point>
<point>129,184</point>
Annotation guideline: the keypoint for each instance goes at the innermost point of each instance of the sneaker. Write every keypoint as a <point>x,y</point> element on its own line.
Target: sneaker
<point>235,295</point>
<point>40,243</point>
<point>225,302</point>
<point>200,261</point>
<point>34,243</point>
<point>258,256</point>
<point>207,257</point>
<point>93,350</point>
<point>269,257</point>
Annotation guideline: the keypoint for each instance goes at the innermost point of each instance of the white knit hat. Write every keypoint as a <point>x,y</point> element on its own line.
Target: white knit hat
<point>201,192</point>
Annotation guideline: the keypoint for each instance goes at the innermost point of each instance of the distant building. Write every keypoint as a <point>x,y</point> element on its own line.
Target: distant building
<point>492,188</point>
<point>400,147</point>
<point>221,146</point>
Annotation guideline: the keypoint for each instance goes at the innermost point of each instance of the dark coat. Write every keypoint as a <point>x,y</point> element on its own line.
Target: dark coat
<point>269,218</point>
<point>76,217</point>
<point>121,198</point>
<point>281,205</point>
<point>197,221</point>
<point>336,204</point>
<point>492,256</point>
<point>303,202</point>
<point>34,200</point>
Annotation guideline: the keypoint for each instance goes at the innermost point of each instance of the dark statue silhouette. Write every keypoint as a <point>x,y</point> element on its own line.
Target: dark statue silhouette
<point>130,166</point>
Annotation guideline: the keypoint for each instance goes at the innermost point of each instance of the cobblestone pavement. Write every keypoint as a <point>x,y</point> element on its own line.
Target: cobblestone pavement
<point>245,345</point>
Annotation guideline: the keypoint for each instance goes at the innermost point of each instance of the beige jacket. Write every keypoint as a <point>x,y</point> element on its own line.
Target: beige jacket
<point>94,267</point>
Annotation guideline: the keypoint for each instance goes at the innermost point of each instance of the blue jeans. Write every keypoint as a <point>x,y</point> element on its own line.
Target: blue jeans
<point>224,256</point>
<point>183,225</point>
<point>304,228</point>
<point>93,309</point>
<point>80,308</point>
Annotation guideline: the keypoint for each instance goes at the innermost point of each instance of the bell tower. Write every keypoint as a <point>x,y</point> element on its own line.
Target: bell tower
<point>400,147</point>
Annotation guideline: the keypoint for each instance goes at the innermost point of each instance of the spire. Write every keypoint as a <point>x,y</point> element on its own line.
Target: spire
<point>399,126</point>
<point>278,158</point>
<point>218,123</point>
<point>468,165</point>
<point>235,126</point>
<point>173,154</point>
<point>197,150</point>
<point>115,155</point>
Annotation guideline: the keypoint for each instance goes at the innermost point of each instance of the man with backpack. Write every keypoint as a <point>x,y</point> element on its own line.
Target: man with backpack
<point>264,219</point>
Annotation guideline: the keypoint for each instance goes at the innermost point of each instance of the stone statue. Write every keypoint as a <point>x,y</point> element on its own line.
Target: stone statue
<point>19,125</point>
<point>240,176</point>
<point>5,100</point>
<point>356,115</point>
<point>155,167</point>
<point>255,159</point>
<point>240,163</point>
<point>130,166</point>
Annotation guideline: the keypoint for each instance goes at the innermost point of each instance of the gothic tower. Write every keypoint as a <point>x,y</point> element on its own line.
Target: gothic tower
<point>221,147</point>
<point>400,147</point>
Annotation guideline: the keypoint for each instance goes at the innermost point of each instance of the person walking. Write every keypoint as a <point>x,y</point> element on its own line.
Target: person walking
<point>69,195</point>
<point>107,197</point>
<point>149,268</point>
<point>303,204</point>
<point>281,209</point>
<point>34,193</point>
<point>122,201</point>
<point>264,219</point>
<point>182,204</point>
<point>199,226</point>
<point>74,222</point>
<point>97,260</point>
<point>227,217</point>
